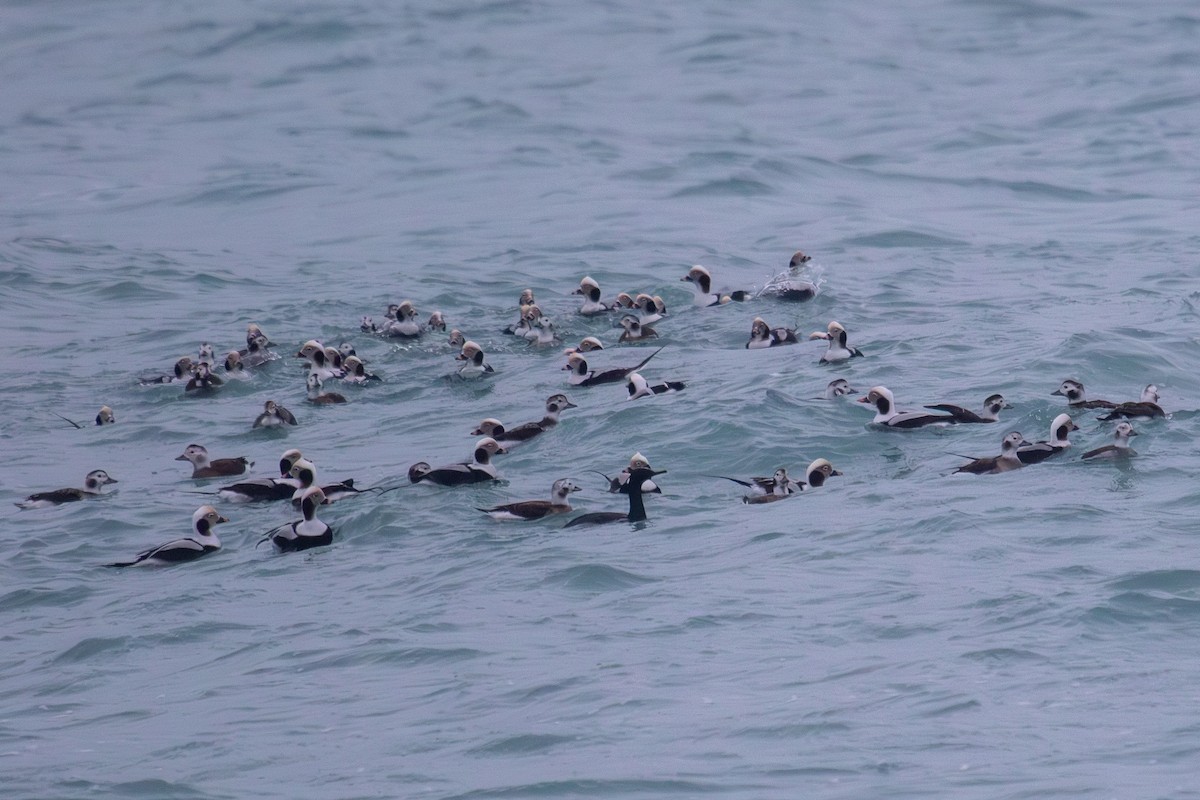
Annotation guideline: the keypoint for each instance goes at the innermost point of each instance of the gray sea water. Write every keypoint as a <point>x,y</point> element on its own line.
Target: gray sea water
<point>997,195</point>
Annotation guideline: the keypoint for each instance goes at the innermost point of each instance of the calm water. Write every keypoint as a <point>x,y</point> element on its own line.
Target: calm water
<point>997,195</point>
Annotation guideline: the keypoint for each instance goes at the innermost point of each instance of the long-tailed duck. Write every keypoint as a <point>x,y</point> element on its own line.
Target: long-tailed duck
<point>1039,451</point>
<point>838,348</point>
<point>635,330</point>
<point>559,503</point>
<point>202,467</point>
<point>637,509</point>
<point>202,542</point>
<point>582,376</point>
<point>637,386</point>
<point>886,413</point>
<point>991,410</point>
<point>1119,448</point>
<point>274,415</point>
<point>474,365</point>
<point>1146,407</point>
<point>1005,462</point>
<point>305,533</point>
<point>763,335</point>
<point>1073,391</point>
<point>92,484</point>
<point>701,280</point>
<point>479,468</point>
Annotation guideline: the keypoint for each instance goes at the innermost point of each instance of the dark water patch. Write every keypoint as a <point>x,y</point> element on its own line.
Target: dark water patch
<point>1004,656</point>
<point>596,788</point>
<point>409,656</point>
<point>149,789</point>
<point>375,132</point>
<point>1137,607</point>
<point>952,708</point>
<point>595,577</point>
<point>181,79</point>
<point>792,731</point>
<point>1170,580</point>
<point>43,597</point>
<point>521,744</point>
<point>236,192</point>
<point>127,291</point>
<point>88,649</point>
<point>282,31</point>
<point>901,238</point>
<point>730,187</point>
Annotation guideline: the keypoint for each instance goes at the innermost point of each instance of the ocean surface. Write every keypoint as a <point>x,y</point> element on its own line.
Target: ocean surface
<point>997,195</point>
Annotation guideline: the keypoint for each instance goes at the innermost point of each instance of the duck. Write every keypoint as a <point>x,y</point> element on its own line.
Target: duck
<point>792,288</point>
<point>637,509</point>
<point>478,469</point>
<point>582,376</point>
<point>701,280</point>
<point>305,472</point>
<point>839,387</point>
<point>650,309</point>
<point>990,413</point>
<point>318,362</point>
<point>586,345</point>
<point>274,415</point>
<point>306,533</point>
<point>1119,448</point>
<point>620,484</point>
<point>475,366</point>
<point>406,325</point>
<point>456,338</point>
<point>763,335</point>
<point>1039,451</point>
<point>234,368</point>
<point>182,373</point>
<point>202,467</point>
<point>436,322</point>
<point>559,503</point>
<point>95,480</point>
<point>1007,461</point>
<point>637,386</point>
<point>1146,407</point>
<point>202,542</point>
<point>635,330</point>
<point>1074,392</point>
<point>333,357</point>
<point>315,396</point>
<point>591,298</point>
<point>492,427</point>
<point>887,415</point>
<point>205,354</point>
<point>356,372</point>
<point>203,381</point>
<point>543,333</point>
<point>104,416</point>
<point>257,352</point>
<point>779,484</point>
<point>266,489</point>
<point>520,326</point>
<point>254,333</point>
<point>838,349</point>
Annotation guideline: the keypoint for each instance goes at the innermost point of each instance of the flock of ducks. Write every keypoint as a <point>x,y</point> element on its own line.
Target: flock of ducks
<point>635,314</point>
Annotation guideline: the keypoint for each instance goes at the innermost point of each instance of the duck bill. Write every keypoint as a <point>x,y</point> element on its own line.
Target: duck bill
<point>181,458</point>
<point>222,519</point>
